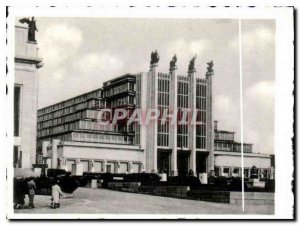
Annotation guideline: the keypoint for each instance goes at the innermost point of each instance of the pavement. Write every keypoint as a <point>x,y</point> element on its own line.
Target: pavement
<point>102,201</point>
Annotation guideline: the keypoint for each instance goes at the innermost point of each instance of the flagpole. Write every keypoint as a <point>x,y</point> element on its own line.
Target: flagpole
<point>241,110</point>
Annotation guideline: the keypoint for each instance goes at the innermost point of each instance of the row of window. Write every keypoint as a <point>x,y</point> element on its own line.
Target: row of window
<point>163,85</point>
<point>246,147</point>
<point>93,103</point>
<point>163,99</point>
<point>103,138</point>
<point>235,147</point>
<point>137,133</point>
<point>236,172</point>
<point>163,139</point>
<point>183,88</point>
<point>90,125</point>
<point>201,116</point>
<point>201,130</point>
<point>127,100</point>
<point>223,146</point>
<point>182,101</point>
<point>200,142</point>
<point>65,119</point>
<point>71,102</point>
<point>129,86</point>
<point>84,125</point>
<point>200,80</point>
<point>200,103</point>
<point>201,90</point>
<point>224,136</point>
<point>182,141</point>
<point>109,167</point>
<point>138,90</point>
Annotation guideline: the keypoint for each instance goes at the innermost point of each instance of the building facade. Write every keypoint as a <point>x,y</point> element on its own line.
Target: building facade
<point>228,159</point>
<point>27,63</point>
<point>72,132</point>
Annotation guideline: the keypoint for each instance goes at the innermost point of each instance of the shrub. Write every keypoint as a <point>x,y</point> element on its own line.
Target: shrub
<point>57,173</point>
<point>69,184</point>
<point>270,185</point>
<point>150,179</point>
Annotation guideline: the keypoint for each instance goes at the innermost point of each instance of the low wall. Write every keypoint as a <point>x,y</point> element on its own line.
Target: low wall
<point>134,187</point>
<point>210,196</point>
<point>251,198</point>
<point>169,191</point>
<point>120,185</point>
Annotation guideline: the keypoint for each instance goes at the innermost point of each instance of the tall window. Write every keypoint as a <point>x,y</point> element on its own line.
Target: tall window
<point>163,128</point>
<point>201,116</point>
<point>182,104</point>
<point>17,98</point>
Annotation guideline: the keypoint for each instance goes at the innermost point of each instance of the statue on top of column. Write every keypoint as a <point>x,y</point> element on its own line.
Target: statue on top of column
<point>192,63</point>
<point>31,28</point>
<point>154,57</point>
<point>210,67</point>
<point>173,62</point>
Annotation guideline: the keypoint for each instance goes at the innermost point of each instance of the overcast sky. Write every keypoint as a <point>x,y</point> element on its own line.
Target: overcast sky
<point>81,53</point>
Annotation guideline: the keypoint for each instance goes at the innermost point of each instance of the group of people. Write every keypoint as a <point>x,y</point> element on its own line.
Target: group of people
<point>21,188</point>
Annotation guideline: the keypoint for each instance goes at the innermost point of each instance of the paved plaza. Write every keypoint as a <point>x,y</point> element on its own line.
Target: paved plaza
<point>102,201</point>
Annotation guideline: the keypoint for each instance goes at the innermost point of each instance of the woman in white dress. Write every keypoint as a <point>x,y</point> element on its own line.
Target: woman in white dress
<point>56,193</point>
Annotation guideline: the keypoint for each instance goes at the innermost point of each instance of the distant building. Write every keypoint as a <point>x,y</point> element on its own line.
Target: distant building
<point>228,156</point>
<point>27,63</point>
<point>70,132</point>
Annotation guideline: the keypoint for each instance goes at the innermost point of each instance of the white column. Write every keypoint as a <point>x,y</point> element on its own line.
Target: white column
<point>173,127</point>
<point>104,166</point>
<point>91,166</point>
<point>191,127</point>
<point>130,169</point>
<point>210,123</point>
<point>151,149</point>
<point>117,169</point>
<point>55,143</point>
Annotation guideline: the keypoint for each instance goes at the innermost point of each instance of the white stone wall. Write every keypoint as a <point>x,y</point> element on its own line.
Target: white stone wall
<point>107,154</point>
<point>87,152</point>
<point>26,75</point>
<point>249,161</point>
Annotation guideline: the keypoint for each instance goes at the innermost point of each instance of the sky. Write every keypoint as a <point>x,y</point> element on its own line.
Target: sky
<point>81,53</point>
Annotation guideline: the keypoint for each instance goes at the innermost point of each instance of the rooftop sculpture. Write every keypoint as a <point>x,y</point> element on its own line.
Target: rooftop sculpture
<point>31,28</point>
<point>154,57</point>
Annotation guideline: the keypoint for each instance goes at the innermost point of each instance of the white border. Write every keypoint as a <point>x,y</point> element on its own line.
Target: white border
<point>283,102</point>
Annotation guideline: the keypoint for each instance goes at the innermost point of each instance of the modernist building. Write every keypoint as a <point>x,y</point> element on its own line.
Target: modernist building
<point>70,132</point>
<point>27,63</point>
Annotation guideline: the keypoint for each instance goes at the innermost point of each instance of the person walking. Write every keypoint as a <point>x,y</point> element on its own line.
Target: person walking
<point>31,192</point>
<point>56,193</point>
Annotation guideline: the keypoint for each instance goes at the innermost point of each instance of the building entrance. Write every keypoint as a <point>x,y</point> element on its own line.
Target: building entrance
<point>201,162</point>
<point>164,161</point>
<point>183,162</point>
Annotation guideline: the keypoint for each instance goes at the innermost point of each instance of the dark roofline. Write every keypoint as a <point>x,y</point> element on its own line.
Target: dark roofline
<point>70,98</point>
<point>225,131</point>
<point>118,78</point>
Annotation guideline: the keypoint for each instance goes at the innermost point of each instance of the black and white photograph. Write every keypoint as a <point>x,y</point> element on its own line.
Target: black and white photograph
<point>150,114</point>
